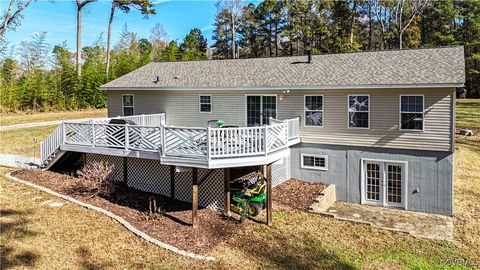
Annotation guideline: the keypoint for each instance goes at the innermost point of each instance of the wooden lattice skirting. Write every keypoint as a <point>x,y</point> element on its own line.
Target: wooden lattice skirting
<point>115,217</point>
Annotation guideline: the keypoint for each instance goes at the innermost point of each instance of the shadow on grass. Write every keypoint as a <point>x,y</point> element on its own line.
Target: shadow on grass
<point>15,231</point>
<point>87,262</point>
<point>275,247</point>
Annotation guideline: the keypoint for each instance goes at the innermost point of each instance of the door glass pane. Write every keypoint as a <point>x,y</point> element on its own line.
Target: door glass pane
<point>373,182</point>
<point>254,110</point>
<point>394,183</point>
<point>269,108</point>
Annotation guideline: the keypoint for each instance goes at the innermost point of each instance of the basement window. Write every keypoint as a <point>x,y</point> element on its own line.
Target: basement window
<point>358,111</point>
<point>411,112</point>
<point>205,103</point>
<point>128,106</point>
<point>315,162</point>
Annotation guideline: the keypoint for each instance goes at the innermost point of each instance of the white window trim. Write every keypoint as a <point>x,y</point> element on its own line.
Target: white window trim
<point>200,103</point>
<point>305,110</point>
<point>363,161</point>
<point>303,166</point>
<point>133,99</point>
<point>400,113</point>
<point>261,104</point>
<point>348,111</point>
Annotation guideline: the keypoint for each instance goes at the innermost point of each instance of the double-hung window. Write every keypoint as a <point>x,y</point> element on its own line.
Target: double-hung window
<point>411,112</point>
<point>358,111</point>
<point>128,106</point>
<point>205,103</point>
<point>313,111</point>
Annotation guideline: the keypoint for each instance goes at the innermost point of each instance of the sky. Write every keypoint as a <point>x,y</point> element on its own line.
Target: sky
<point>58,19</point>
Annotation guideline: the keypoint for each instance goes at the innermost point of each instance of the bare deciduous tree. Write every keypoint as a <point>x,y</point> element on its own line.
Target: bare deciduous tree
<point>234,8</point>
<point>80,5</point>
<point>144,6</point>
<point>11,17</point>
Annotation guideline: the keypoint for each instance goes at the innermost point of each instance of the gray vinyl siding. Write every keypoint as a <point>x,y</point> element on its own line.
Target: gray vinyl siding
<point>182,109</point>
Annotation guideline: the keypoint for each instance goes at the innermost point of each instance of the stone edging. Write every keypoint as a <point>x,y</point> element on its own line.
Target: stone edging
<point>115,217</point>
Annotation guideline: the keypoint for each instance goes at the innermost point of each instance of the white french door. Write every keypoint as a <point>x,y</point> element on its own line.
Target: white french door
<point>384,183</point>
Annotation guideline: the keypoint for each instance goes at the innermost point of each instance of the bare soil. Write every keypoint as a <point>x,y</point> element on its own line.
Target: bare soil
<point>173,225</point>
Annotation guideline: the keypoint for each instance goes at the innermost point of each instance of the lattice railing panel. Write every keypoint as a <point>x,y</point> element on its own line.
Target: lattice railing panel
<point>145,138</point>
<point>186,142</point>
<point>79,133</point>
<point>277,137</point>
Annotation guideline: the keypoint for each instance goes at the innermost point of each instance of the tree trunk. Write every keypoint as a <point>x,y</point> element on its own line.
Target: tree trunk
<point>233,36</point>
<point>109,37</point>
<point>352,20</point>
<point>79,42</point>
<point>370,25</point>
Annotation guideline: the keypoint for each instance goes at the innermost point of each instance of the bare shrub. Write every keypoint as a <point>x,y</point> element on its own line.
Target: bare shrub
<point>95,179</point>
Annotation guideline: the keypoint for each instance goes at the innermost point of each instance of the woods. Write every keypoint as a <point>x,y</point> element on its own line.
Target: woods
<point>36,75</point>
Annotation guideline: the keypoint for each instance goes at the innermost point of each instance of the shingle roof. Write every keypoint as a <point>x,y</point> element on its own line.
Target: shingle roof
<point>419,67</point>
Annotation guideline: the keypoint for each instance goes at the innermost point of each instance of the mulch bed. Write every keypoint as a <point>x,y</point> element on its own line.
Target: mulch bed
<point>297,194</point>
<point>173,226</point>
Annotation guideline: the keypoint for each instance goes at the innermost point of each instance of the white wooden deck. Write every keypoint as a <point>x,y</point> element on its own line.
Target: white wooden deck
<point>181,146</point>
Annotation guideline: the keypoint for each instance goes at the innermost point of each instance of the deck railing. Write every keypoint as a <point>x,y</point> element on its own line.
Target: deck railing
<point>187,142</point>
<point>52,143</point>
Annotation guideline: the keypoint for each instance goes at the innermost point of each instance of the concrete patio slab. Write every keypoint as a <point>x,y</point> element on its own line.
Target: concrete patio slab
<point>423,225</point>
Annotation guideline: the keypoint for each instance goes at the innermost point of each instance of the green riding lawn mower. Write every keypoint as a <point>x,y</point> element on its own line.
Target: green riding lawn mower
<point>249,196</point>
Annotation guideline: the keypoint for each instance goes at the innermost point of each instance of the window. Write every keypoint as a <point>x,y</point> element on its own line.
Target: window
<point>358,111</point>
<point>205,103</point>
<point>313,111</point>
<point>128,105</point>
<point>411,112</point>
<point>316,162</point>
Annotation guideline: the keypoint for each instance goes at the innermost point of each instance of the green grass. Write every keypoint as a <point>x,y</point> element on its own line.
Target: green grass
<point>22,118</point>
<point>25,141</point>
<point>468,113</point>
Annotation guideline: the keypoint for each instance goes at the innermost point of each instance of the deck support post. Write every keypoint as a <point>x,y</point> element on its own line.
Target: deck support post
<point>172,182</point>
<point>195,220</point>
<point>268,170</point>
<point>226,186</point>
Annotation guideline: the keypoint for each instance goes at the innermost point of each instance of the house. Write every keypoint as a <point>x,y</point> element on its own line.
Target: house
<point>379,125</point>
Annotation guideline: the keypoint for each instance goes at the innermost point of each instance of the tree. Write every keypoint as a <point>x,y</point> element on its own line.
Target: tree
<point>221,35</point>
<point>11,18</point>
<point>80,5</point>
<point>233,9</point>
<point>146,7</point>
<point>171,53</point>
<point>159,40</point>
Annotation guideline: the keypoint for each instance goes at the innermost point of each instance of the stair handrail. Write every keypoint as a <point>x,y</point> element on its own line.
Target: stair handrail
<point>50,145</point>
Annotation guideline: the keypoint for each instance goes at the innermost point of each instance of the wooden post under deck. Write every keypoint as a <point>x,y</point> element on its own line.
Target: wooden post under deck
<point>172,181</point>
<point>226,175</point>
<point>195,220</point>
<point>269,194</point>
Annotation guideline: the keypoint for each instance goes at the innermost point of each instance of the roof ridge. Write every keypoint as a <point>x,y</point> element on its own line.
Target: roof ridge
<point>314,55</point>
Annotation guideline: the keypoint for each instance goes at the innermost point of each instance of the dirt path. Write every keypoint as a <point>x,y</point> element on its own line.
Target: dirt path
<point>39,124</point>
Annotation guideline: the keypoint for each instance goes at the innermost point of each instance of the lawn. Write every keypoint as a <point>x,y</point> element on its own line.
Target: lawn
<point>43,237</point>
<point>22,118</point>
<point>25,141</point>
<point>468,113</point>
